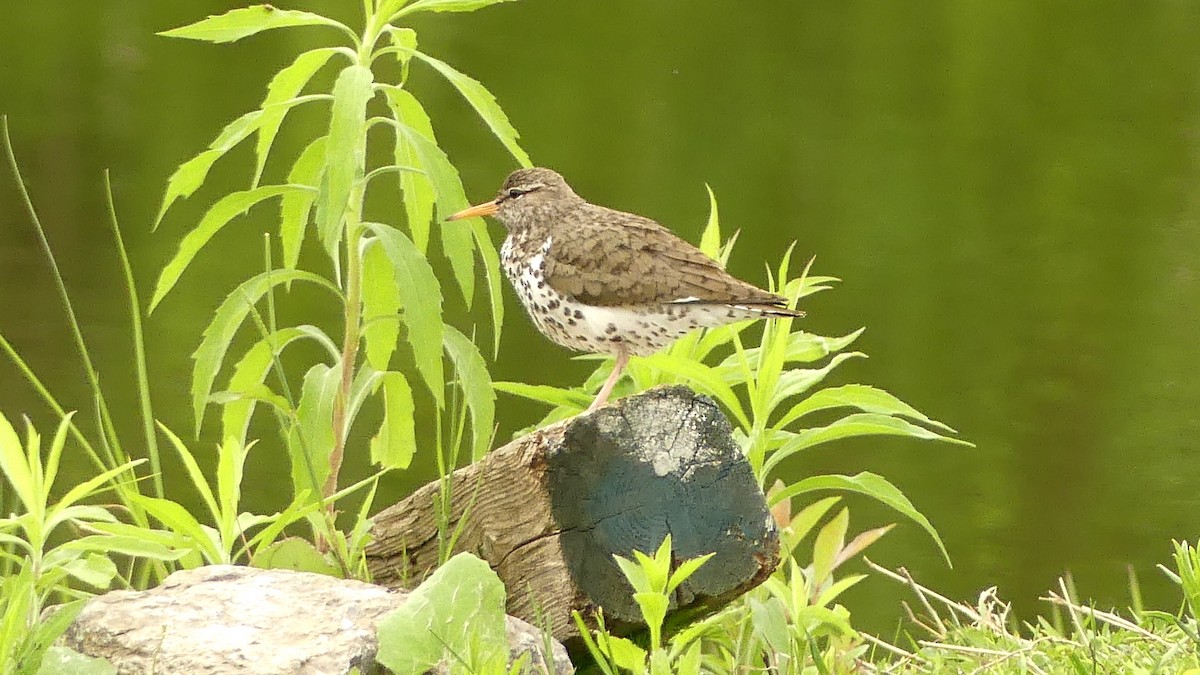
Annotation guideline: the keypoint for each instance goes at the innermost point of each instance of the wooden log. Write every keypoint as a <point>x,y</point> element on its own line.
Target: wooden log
<point>549,510</point>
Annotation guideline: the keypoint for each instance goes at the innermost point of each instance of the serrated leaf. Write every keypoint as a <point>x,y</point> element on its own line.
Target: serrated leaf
<point>417,191</point>
<point>396,442</point>
<point>246,21</point>
<point>286,84</point>
<point>459,610</point>
<point>872,485</point>
<point>472,377</point>
<point>225,210</point>
<point>450,198</point>
<point>345,153</point>
<point>311,438</point>
<point>191,174</point>
<point>187,179</point>
<point>799,380</point>
<point>295,207</point>
<point>226,320</point>
<point>381,305</point>
<point>249,374</point>
<point>421,299</point>
<point>457,235</point>
<point>484,104</point>
<point>865,398</point>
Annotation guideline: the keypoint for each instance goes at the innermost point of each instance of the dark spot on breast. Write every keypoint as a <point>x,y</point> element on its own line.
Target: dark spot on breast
<point>612,328</point>
<point>578,314</point>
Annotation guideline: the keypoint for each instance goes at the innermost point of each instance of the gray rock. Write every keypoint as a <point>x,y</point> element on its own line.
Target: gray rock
<point>225,619</point>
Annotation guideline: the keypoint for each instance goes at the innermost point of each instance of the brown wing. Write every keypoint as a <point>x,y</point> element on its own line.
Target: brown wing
<point>616,258</point>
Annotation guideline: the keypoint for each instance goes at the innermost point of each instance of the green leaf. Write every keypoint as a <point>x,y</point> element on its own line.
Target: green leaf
<point>567,398</point>
<point>191,174</point>
<point>295,207</point>
<point>476,384</point>
<point>187,179</point>
<point>799,380</point>
<point>829,542</point>
<point>195,474</point>
<point>872,485</point>
<point>60,659</point>
<point>286,84</point>
<point>459,609</point>
<point>416,188</point>
<point>92,569</point>
<point>803,522</point>
<point>686,569</point>
<point>239,23</point>
<point>226,321</point>
<point>858,424</point>
<point>801,346</point>
<point>457,242</point>
<point>421,298</point>
<point>14,466</point>
<point>396,442</point>
<point>311,438</point>
<point>177,519</point>
<point>706,379</point>
<point>231,463</point>
<point>225,210</point>
<point>710,239</point>
<point>448,6</point>
<point>484,104</point>
<point>381,304</point>
<point>861,396</point>
<point>251,371</point>
<point>294,554</point>
<point>345,153</point>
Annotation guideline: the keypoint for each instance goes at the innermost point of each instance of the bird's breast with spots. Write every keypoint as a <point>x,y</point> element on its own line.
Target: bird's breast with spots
<point>639,330</point>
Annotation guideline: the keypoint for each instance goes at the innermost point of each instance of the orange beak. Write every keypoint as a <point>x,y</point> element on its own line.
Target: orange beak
<point>484,209</point>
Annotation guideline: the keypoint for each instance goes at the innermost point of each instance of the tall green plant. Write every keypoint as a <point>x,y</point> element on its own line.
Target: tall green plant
<point>381,275</point>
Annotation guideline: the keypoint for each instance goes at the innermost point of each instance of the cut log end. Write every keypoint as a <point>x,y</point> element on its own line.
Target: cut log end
<point>550,510</point>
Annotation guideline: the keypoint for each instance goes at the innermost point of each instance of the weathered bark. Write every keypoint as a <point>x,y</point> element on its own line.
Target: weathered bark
<point>549,510</point>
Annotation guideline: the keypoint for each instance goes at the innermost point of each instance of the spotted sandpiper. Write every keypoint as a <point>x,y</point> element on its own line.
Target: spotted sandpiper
<point>607,282</point>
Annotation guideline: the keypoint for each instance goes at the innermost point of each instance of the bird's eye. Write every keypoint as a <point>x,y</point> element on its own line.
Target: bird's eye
<point>513,193</point>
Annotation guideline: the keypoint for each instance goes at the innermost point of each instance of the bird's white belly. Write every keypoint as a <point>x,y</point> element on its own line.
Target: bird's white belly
<point>639,330</point>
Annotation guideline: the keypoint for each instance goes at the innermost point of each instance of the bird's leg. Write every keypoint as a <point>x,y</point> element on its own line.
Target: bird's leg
<point>602,397</point>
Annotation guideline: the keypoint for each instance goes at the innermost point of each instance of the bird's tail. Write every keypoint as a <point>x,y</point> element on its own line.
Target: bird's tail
<point>773,310</point>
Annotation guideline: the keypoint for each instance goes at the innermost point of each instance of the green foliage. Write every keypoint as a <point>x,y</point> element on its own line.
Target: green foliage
<point>33,569</point>
<point>456,617</point>
<point>654,584</point>
<point>383,282</point>
<point>770,389</point>
<point>1075,637</point>
<point>791,624</point>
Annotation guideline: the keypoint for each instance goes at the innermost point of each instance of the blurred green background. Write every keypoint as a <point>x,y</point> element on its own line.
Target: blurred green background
<point>1009,190</point>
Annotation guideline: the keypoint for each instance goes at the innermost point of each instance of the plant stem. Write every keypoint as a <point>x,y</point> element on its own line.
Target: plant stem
<point>353,321</point>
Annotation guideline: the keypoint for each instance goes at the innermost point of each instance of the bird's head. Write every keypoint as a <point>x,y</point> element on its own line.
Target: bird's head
<point>527,194</point>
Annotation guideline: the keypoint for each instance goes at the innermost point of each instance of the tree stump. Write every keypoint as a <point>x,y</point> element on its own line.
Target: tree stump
<point>549,510</point>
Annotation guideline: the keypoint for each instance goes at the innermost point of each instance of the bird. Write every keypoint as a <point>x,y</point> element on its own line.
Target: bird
<point>598,280</point>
